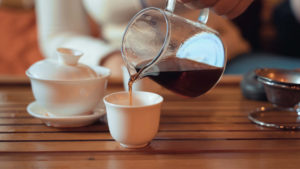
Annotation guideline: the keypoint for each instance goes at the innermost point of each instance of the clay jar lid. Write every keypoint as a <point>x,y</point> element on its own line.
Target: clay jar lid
<point>64,68</point>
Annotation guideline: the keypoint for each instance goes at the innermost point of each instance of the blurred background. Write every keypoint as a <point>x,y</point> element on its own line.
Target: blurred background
<point>19,42</point>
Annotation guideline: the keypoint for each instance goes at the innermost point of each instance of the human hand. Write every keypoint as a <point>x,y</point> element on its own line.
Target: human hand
<point>229,8</point>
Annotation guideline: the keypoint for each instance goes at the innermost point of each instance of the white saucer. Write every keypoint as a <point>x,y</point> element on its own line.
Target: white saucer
<point>35,110</point>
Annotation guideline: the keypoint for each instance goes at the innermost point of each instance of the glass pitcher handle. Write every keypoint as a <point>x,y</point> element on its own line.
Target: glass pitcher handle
<point>171,5</point>
<point>203,17</point>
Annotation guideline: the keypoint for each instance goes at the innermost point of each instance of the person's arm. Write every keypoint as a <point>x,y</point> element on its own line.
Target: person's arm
<point>64,23</point>
<point>118,11</point>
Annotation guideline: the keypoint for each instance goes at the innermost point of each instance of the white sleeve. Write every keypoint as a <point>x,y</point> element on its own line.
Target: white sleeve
<point>118,11</point>
<point>64,23</point>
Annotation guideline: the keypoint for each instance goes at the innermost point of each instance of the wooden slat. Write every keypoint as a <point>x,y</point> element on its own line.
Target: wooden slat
<point>162,135</point>
<point>156,146</point>
<point>149,161</point>
<point>183,102</point>
<point>163,127</point>
<point>213,105</point>
<point>167,119</point>
<point>166,112</point>
<point>17,121</point>
<point>42,128</point>
<point>259,157</point>
<point>206,119</point>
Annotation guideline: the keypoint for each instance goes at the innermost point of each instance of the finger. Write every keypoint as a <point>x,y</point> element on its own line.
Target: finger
<point>223,7</point>
<point>197,4</point>
<point>185,1</point>
<point>239,9</point>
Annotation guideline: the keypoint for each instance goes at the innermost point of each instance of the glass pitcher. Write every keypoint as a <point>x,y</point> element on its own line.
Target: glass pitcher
<point>183,56</point>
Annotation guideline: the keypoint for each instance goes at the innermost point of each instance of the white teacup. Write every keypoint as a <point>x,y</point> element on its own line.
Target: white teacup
<point>133,126</point>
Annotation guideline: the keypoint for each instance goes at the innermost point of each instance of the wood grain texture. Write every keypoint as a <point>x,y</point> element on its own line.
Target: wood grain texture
<point>211,131</point>
<point>125,160</point>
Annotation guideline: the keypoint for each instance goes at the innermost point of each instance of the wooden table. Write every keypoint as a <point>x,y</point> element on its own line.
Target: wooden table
<point>211,131</point>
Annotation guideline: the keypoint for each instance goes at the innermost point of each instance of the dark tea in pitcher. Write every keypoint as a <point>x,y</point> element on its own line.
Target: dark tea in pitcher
<point>183,76</point>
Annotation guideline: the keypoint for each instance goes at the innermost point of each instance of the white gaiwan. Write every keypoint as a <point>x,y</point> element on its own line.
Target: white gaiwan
<point>65,87</point>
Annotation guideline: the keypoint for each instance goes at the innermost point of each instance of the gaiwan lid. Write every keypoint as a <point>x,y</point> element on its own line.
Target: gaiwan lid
<point>65,67</point>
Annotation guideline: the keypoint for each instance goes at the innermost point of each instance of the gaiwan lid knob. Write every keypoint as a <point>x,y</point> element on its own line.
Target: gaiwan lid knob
<point>65,67</point>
